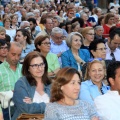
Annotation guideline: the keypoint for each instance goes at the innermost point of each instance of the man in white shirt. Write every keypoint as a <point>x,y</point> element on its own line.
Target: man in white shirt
<point>108,105</point>
<point>113,52</point>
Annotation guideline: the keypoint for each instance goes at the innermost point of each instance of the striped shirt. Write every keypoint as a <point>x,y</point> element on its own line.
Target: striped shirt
<point>8,77</point>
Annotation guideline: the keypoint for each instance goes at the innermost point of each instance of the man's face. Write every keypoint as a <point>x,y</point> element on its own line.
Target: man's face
<point>115,83</point>
<point>115,43</point>
<point>4,50</point>
<point>49,24</point>
<point>55,23</point>
<point>32,26</point>
<point>57,38</point>
<point>99,31</point>
<point>13,55</point>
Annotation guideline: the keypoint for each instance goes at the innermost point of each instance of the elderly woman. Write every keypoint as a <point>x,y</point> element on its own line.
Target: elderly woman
<point>93,85</point>
<point>23,37</point>
<point>64,92</point>
<point>75,57</point>
<point>42,44</point>
<point>32,91</point>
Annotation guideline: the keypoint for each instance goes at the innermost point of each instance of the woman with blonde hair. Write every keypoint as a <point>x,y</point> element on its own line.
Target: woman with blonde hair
<point>64,93</point>
<point>93,85</point>
<point>88,34</point>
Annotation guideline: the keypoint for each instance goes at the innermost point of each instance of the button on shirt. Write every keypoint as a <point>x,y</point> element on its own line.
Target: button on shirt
<point>116,53</point>
<point>8,77</point>
<point>108,105</point>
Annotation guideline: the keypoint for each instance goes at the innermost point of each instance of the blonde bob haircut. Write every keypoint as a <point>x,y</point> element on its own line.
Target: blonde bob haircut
<point>86,30</point>
<point>87,77</point>
<point>70,37</point>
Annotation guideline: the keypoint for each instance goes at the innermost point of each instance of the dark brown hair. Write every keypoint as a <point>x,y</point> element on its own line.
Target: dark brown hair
<point>39,40</point>
<point>107,17</point>
<point>25,68</point>
<point>63,77</point>
<point>25,32</point>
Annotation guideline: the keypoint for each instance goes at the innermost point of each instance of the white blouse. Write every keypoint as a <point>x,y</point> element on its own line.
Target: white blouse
<point>41,98</point>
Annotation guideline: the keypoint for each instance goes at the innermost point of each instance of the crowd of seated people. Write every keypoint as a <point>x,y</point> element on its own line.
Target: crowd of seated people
<point>55,54</point>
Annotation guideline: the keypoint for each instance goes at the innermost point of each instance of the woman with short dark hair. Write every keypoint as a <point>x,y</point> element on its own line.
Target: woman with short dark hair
<point>32,91</point>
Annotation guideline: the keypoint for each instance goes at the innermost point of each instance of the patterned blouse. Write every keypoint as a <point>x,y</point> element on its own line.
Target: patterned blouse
<point>81,111</point>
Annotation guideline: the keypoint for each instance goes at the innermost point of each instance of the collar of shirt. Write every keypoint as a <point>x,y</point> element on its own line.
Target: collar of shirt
<point>113,92</point>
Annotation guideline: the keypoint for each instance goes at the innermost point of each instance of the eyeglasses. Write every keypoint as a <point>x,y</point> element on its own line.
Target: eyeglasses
<point>58,38</point>
<point>36,66</point>
<point>27,28</point>
<point>3,48</point>
<point>93,59</point>
<point>46,43</point>
<point>87,12</point>
<point>101,49</point>
<point>90,34</point>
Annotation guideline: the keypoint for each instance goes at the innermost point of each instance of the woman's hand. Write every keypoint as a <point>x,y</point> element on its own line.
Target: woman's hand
<point>95,118</point>
<point>27,100</point>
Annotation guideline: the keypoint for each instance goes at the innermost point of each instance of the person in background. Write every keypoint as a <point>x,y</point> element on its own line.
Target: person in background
<point>93,85</point>
<point>108,104</point>
<point>108,23</point>
<point>23,37</point>
<point>112,45</point>
<point>88,34</point>
<point>64,94</point>
<point>32,91</point>
<point>75,27</point>
<point>99,33</point>
<point>42,45</point>
<point>2,33</point>
<point>11,32</point>
<point>58,45</point>
<point>3,50</point>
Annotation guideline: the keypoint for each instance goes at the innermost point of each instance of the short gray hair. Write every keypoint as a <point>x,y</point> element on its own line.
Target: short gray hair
<point>97,27</point>
<point>70,37</point>
<point>56,30</point>
<point>22,25</point>
<point>29,14</point>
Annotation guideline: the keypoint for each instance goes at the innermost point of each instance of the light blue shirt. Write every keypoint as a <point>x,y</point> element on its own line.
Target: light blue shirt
<point>89,91</point>
<point>29,48</point>
<point>56,49</point>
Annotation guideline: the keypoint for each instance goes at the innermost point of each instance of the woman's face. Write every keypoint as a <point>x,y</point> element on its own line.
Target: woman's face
<point>45,46</point>
<point>76,42</point>
<point>15,19</point>
<point>76,29</point>
<point>111,20</point>
<point>100,52</point>
<point>90,35</point>
<point>20,37</point>
<point>96,73</point>
<point>85,17</point>
<point>7,23</point>
<point>71,89</point>
<point>37,67</point>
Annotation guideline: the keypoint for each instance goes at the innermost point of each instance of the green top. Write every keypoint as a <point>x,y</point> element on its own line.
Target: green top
<point>8,77</point>
<point>52,61</point>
